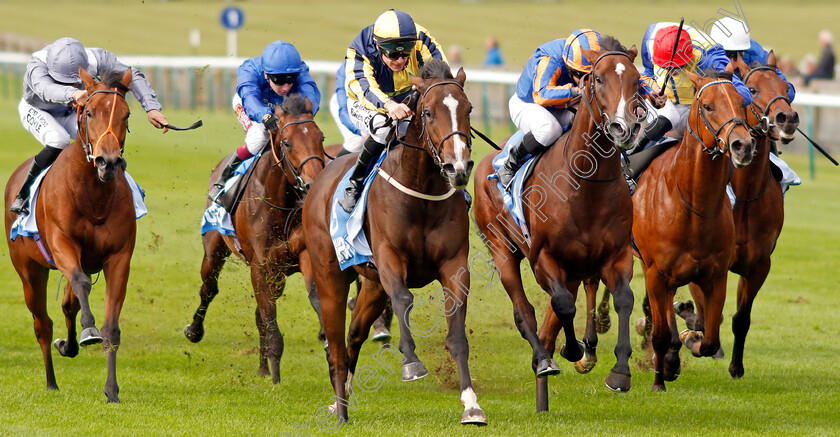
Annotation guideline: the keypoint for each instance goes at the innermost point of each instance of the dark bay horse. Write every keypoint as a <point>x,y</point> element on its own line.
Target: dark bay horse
<point>268,227</point>
<point>579,214</point>
<point>682,220</point>
<point>759,207</point>
<point>86,219</point>
<point>414,240</point>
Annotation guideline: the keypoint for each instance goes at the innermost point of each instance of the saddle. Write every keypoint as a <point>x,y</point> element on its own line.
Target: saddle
<point>230,197</point>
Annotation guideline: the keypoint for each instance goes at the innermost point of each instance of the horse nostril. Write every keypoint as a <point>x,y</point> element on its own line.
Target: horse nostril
<point>795,118</point>
<point>470,164</point>
<point>781,118</point>
<point>737,145</point>
<point>619,132</point>
<point>448,168</point>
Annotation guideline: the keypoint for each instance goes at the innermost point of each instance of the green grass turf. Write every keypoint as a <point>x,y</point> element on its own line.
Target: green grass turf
<point>170,386</point>
<point>322,29</point>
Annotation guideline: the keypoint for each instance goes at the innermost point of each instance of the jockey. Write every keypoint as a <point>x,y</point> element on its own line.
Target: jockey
<point>378,64</point>
<point>52,85</point>
<point>353,139</point>
<point>262,83</point>
<point>734,36</point>
<point>544,103</point>
<point>695,52</point>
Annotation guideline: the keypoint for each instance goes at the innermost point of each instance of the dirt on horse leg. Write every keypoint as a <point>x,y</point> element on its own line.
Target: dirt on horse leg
<point>266,290</point>
<point>215,255</point>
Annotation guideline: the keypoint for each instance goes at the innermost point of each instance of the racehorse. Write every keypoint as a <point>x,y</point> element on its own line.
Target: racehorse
<point>759,204</point>
<point>682,219</point>
<point>86,219</point>
<point>417,232</point>
<point>586,232</point>
<point>269,237</point>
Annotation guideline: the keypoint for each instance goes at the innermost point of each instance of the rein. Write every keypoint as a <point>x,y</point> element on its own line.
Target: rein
<point>90,149</point>
<point>284,161</point>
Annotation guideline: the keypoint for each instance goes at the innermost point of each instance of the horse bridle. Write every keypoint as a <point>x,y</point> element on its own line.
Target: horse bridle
<point>715,151</point>
<point>433,150</point>
<point>592,98</point>
<point>90,149</point>
<point>765,124</point>
<point>284,161</point>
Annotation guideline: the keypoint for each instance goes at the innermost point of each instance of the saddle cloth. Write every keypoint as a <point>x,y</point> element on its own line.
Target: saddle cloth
<point>788,179</point>
<point>26,224</point>
<point>513,200</point>
<point>215,217</point>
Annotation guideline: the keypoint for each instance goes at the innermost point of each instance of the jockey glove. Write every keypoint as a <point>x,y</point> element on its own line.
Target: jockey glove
<point>270,121</point>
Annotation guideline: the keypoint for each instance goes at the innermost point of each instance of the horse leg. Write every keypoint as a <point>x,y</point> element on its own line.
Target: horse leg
<point>215,254</point>
<point>269,285</point>
<point>455,279</point>
<point>116,270</point>
<point>392,274</point>
<point>693,320</point>
<point>263,355</point>
<point>70,306</point>
<point>660,298</point>
<point>306,270</point>
<point>748,287</point>
<point>707,343</point>
<point>369,305</point>
<point>382,324</point>
<point>548,336</point>
<point>603,322</point>
<point>332,288</point>
<point>590,336</point>
<point>617,279</point>
<point>551,278</point>
<point>34,278</point>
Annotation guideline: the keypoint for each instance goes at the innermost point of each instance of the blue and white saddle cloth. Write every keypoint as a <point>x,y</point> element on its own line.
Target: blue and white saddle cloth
<point>346,230</point>
<point>789,178</point>
<point>215,217</point>
<point>26,224</point>
<point>513,200</point>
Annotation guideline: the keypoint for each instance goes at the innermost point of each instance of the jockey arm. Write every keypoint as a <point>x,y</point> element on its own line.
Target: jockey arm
<point>715,57</point>
<point>756,53</point>
<point>548,91</point>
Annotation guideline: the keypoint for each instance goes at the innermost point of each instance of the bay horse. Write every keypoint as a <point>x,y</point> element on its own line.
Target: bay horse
<point>759,203</point>
<point>579,214</point>
<point>86,218</point>
<point>682,219</point>
<point>269,236</point>
<point>415,238</point>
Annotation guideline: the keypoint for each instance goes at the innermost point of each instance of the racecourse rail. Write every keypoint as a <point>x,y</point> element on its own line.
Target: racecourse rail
<point>191,82</point>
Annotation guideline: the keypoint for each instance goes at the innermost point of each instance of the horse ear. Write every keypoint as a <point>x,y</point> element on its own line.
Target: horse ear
<point>633,52</point>
<point>86,79</point>
<point>308,104</point>
<point>590,55</point>
<point>695,79</point>
<point>417,81</point>
<point>461,77</point>
<point>771,59</point>
<point>730,67</point>
<point>742,66</point>
<point>126,79</point>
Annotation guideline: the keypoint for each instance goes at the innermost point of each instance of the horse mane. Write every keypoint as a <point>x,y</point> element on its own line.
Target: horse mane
<point>294,105</point>
<point>436,68</point>
<point>714,74</point>
<point>610,43</point>
<point>113,79</point>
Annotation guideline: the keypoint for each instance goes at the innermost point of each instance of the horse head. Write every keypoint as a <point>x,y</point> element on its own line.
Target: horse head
<point>611,91</point>
<point>298,145</point>
<point>716,117</point>
<point>770,111</point>
<point>103,122</point>
<point>444,112</point>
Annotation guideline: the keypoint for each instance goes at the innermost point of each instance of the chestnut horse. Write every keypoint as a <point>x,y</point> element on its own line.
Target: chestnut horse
<point>682,219</point>
<point>759,206</point>
<point>268,227</point>
<point>86,218</point>
<point>586,232</point>
<point>415,238</point>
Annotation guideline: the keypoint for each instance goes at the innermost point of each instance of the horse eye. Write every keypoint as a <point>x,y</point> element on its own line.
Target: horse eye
<point>427,113</point>
<point>707,107</point>
<point>597,79</point>
<point>88,114</point>
<point>753,91</point>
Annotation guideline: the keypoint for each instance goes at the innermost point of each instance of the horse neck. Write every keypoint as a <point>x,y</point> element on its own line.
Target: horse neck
<point>586,140</point>
<point>416,169</point>
<point>275,182</point>
<point>83,182</point>
<point>700,179</point>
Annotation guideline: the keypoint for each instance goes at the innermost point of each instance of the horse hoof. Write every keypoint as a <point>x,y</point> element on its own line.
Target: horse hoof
<point>547,367</point>
<point>63,348</point>
<point>736,371</point>
<point>570,355</point>
<point>587,363</point>
<point>194,334</point>
<point>413,371</point>
<point>658,387</point>
<point>719,354</point>
<point>691,340</point>
<point>618,382</point>
<point>90,336</point>
<point>381,334</point>
<point>640,326</point>
<point>473,416</point>
<point>263,371</point>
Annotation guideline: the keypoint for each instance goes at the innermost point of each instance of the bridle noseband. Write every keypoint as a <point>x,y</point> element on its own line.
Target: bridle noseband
<point>715,151</point>
<point>591,99</point>
<point>90,149</point>
<point>284,161</point>
<point>765,124</point>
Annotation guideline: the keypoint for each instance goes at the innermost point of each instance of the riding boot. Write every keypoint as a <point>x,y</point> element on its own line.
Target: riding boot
<point>369,153</point>
<point>516,157</point>
<point>42,160</point>
<point>232,161</point>
<point>652,132</point>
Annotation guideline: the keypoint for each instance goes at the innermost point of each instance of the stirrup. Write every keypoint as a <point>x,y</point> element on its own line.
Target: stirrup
<point>19,206</point>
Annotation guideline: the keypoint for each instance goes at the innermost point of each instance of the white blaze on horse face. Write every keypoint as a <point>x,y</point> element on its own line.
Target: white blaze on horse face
<point>460,145</point>
<point>619,111</point>
<point>469,399</point>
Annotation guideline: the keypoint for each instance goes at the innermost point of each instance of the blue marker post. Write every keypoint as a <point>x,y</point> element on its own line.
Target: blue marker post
<point>232,19</point>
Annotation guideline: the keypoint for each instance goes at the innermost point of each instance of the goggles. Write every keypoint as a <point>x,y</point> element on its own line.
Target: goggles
<point>283,79</point>
<point>394,51</point>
